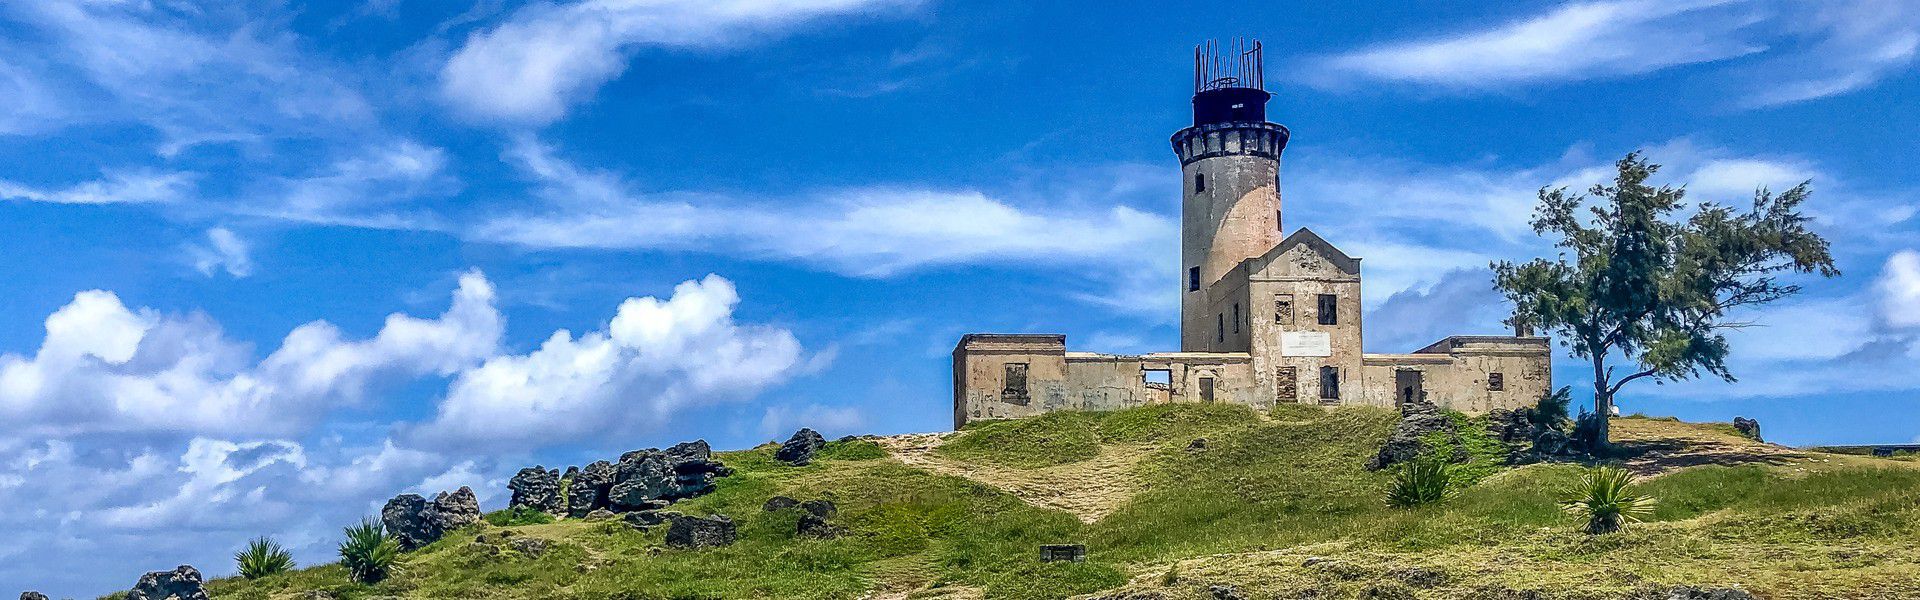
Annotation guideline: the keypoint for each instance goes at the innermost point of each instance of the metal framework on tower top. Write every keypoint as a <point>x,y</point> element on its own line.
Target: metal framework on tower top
<point>1238,64</point>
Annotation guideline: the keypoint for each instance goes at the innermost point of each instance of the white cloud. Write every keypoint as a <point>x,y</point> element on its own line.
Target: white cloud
<point>223,251</point>
<point>106,368</point>
<point>1738,178</point>
<point>1899,288</point>
<point>654,358</point>
<point>870,232</point>
<point>1580,40</point>
<point>374,187</point>
<point>547,57</point>
<point>1774,51</point>
<point>115,188</point>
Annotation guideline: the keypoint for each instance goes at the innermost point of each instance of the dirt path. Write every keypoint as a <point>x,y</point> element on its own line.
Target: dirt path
<point>1090,489</point>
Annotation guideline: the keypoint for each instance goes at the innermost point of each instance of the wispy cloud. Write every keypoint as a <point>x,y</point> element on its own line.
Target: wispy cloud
<point>1774,51</point>
<point>546,58</point>
<point>117,187</point>
<point>223,250</point>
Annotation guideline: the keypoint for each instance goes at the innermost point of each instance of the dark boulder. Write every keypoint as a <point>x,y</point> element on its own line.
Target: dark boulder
<point>1512,426</point>
<point>1687,592</point>
<point>824,509</point>
<point>699,532</point>
<point>536,488</point>
<point>570,474</point>
<point>1747,427</point>
<point>32,596</point>
<point>1417,421</point>
<point>815,519</point>
<point>799,449</point>
<point>414,522</point>
<point>528,546</point>
<point>1225,592</point>
<point>647,518</point>
<point>588,490</point>
<point>647,479</point>
<point>779,503</point>
<point>182,583</point>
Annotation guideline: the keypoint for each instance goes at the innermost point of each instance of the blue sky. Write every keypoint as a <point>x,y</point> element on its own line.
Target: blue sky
<point>270,263</point>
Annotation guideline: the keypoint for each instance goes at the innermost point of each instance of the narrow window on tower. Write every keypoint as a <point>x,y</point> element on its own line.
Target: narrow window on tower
<point>1221,337</point>
<point>1329,309</point>
<point>1199,182</point>
<point>1329,383</point>
<point>1236,318</point>
<point>1276,222</point>
<point>1193,279</point>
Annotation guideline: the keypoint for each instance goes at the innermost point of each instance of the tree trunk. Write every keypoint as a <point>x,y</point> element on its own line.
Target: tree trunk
<point>1602,406</point>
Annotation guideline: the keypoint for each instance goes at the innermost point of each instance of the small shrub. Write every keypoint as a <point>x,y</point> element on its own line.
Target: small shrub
<point>1422,481</point>
<point>518,515</point>
<point>263,557</point>
<point>368,552</point>
<point>1603,499</point>
<point>1552,408</point>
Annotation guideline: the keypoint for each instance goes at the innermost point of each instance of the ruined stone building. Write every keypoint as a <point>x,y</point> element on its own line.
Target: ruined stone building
<point>1263,319</point>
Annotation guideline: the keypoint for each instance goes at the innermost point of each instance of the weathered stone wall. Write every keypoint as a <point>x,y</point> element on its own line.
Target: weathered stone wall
<point>1298,276</point>
<point>980,376</point>
<point>1459,373</point>
<point>1059,380</point>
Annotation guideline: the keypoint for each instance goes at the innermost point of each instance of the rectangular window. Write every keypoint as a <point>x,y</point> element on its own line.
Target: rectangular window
<point>1199,182</point>
<point>1193,279</point>
<point>1496,381</point>
<point>1286,384</point>
<point>1329,383</point>
<point>1014,391</point>
<point>1221,337</point>
<point>1206,389</point>
<point>1283,309</point>
<point>1236,318</point>
<point>1329,309</point>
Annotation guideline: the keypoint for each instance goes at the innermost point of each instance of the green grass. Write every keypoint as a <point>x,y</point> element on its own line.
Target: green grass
<point>1291,483</point>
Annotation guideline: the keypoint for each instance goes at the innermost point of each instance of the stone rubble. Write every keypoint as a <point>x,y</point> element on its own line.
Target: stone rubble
<point>799,449</point>
<point>182,583</point>
<point>536,488</point>
<point>413,521</point>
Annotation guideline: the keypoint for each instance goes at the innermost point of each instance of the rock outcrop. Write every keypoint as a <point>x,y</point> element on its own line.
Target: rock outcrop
<point>182,583</point>
<point>414,522</point>
<point>799,449</point>
<point>815,518</point>
<point>536,488</point>
<point>1417,421</point>
<point>691,532</point>
<point>589,489</point>
<point>32,596</point>
<point>779,503</point>
<point>1747,427</point>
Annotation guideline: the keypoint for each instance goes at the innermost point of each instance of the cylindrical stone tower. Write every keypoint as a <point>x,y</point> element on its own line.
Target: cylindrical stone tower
<point>1230,158</point>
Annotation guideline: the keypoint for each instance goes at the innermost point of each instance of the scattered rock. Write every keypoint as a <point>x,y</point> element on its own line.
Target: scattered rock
<point>482,548</point>
<point>415,522</point>
<point>700,532</point>
<point>1552,443</point>
<point>1687,592</point>
<point>536,488</point>
<point>1417,420</point>
<point>530,547</point>
<point>601,514</point>
<point>588,489</point>
<point>1747,427</point>
<point>182,583</point>
<point>820,508</point>
<point>799,449</point>
<point>1511,426</point>
<point>1197,444</point>
<point>1225,592</point>
<point>32,596</point>
<point>646,518</point>
<point>1419,577</point>
<point>779,503</point>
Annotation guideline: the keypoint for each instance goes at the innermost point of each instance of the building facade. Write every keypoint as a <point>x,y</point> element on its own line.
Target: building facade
<point>1264,319</point>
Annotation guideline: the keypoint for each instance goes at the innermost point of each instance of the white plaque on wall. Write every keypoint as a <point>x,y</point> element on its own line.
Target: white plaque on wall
<point>1306,343</point>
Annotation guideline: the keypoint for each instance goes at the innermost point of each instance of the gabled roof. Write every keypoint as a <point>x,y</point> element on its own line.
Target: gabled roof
<point>1312,241</point>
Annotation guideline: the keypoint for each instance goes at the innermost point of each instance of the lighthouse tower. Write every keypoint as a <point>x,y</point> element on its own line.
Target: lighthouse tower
<point>1230,159</point>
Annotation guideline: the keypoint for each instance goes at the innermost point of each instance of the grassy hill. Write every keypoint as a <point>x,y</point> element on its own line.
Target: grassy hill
<point>1273,505</point>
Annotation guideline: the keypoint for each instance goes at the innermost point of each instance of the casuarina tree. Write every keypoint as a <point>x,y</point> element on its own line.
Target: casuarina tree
<point>1641,279</point>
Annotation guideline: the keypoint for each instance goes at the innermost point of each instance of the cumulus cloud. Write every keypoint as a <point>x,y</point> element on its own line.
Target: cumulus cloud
<point>654,358</point>
<point>223,250</point>
<point>546,57</point>
<point>1899,288</point>
<point>1460,302</point>
<point>1788,51</point>
<point>118,187</point>
<point>103,367</point>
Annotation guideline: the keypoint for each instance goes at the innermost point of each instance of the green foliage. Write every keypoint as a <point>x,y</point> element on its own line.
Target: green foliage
<point>368,552</point>
<point>518,515</point>
<point>1419,482</point>
<point>1602,498</point>
<point>1653,288</point>
<point>1069,437</point>
<point>1476,453</point>
<point>263,557</point>
<point>1553,407</point>
<point>854,449</point>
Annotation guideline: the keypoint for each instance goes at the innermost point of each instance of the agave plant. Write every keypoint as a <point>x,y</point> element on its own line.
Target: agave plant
<point>1423,481</point>
<point>1604,500</point>
<point>368,552</point>
<point>263,557</point>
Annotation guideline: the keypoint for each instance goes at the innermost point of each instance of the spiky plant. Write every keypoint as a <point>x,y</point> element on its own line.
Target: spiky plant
<point>1422,481</point>
<point>1604,500</point>
<point>263,557</point>
<point>369,553</point>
